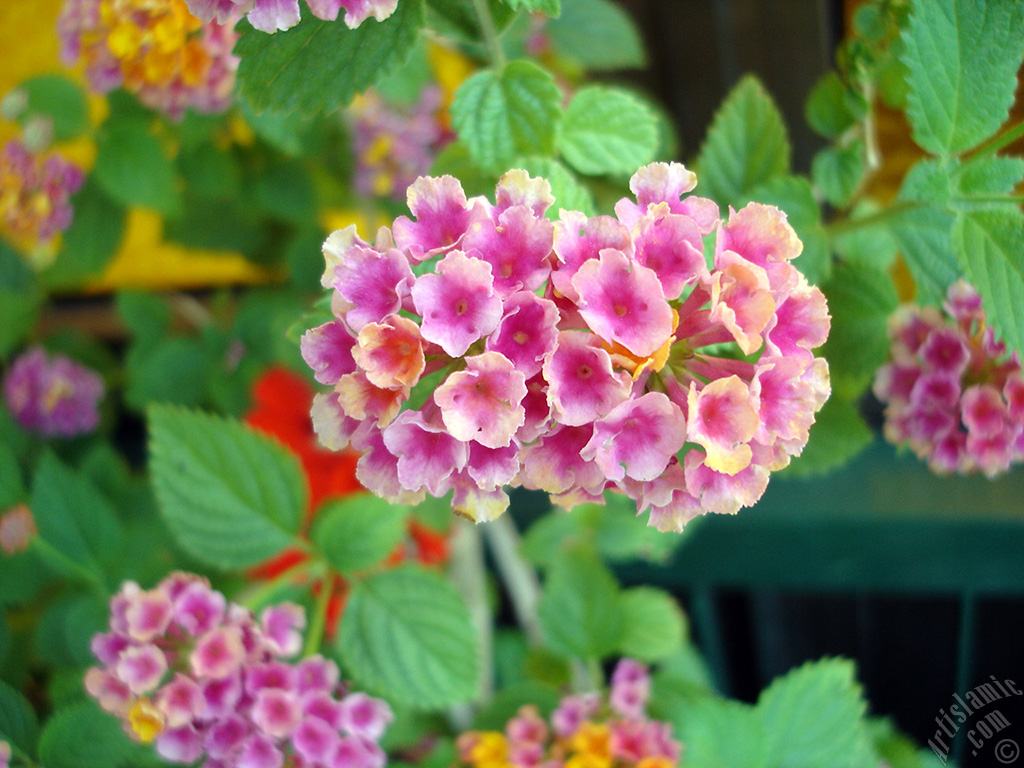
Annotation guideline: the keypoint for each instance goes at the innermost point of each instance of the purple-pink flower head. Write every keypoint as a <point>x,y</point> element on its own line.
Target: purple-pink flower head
<point>952,392</point>
<point>278,15</point>
<point>53,396</point>
<point>35,195</point>
<point>593,354</point>
<point>201,677</point>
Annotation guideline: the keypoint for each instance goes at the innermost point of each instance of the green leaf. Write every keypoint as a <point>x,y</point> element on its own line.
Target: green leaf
<point>860,301</point>
<point>607,130</point>
<point>132,167</point>
<point>146,316</point>
<point>963,57</point>
<point>18,724</point>
<point>459,19</point>
<point>281,130</point>
<point>171,370</point>
<point>407,635</point>
<point>722,734</point>
<point>986,176</point>
<point>621,534</point>
<point>580,607</point>
<point>210,172</point>
<point>91,240</point>
<point>990,248</point>
<point>20,299</point>
<point>359,531</point>
<point>230,496</point>
<point>837,172</point>
<point>654,625</point>
<point>831,107</point>
<point>59,99</point>
<point>745,146</point>
<point>549,7</point>
<point>568,191</point>
<point>814,716</point>
<point>12,487</point>
<point>545,540</point>
<point>454,160</point>
<point>501,116</point>
<point>509,700</point>
<point>82,736</point>
<point>319,65</point>
<point>74,519</point>
<point>839,433</point>
<point>598,34</point>
<point>794,196</point>
<point>872,246</point>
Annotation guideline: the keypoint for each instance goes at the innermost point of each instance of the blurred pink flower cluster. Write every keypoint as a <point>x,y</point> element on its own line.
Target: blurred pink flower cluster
<point>35,194</point>
<point>54,396</point>
<point>204,678</point>
<point>584,731</point>
<point>953,393</point>
<point>479,345</point>
<point>278,15</point>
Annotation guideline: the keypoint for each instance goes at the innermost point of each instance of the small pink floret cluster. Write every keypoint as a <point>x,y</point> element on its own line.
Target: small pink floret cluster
<point>953,393</point>
<point>5,754</point>
<point>205,679</point>
<point>278,15</point>
<point>53,395</point>
<point>480,345</point>
<point>35,194</point>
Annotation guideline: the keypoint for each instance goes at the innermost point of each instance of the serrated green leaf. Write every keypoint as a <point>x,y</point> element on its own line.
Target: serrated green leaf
<point>607,130</point>
<point>598,34</point>
<point>82,736</point>
<point>990,248</point>
<point>722,734</point>
<point>18,724</point>
<point>654,624</point>
<point>745,146</point>
<point>986,176</point>
<point>359,531</point>
<point>91,241</point>
<point>568,191</point>
<point>860,301</point>
<point>501,116</point>
<point>580,607</point>
<point>831,107</point>
<point>407,635</point>
<point>963,57</point>
<point>74,519</point>
<point>837,172</point>
<point>549,7</point>
<point>459,19</point>
<point>814,716</point>
<point>319,65</point>
<point>60,100</point>
<point>838,434</point>
<point>230,496</point>
<point>794,196</point>
<point>133,169</point>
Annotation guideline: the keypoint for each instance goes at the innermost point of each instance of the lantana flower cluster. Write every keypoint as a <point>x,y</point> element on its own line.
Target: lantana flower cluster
<point>278,15</point>
<point>479,345</point>
<point>157,50</point>
<point>953,392</point>
<point>203,677</point>
<point>53,396</point>
<point>17,528</point>
<point>584,731</point>
<point>35,195</point>
<point>393,146</point>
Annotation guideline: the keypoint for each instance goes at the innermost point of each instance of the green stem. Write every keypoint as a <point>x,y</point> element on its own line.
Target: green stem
<point>847,225</point>
<point>998,142</point>
<point>315,636</point>
<point>520,580</point>
<point>491,41</point>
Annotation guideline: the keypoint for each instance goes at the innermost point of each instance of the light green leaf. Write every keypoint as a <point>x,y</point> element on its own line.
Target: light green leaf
<point>870,245</point>
<point>359,531</point>
<point>230,496</point>
<point>407,636</point>
<point>281,130</point>
<point>598,34</point>
<point>319,65</point>
<point>501,116</point>
<point>990,248</point>
<point>91,240</point>
<point>59,99</point>
<point>722,734</point>
<point>654,624</point>
<point>839,433</point>
<point>963,57</point>
<point>831,107</point>
<point>580,607</point>
<point>814,716</point>
<point>745,146</point>
<point>794,196</point>
<point>132,167</point>
<point>74,519</point>
<point>607,130</point>
<point>860,301</point>
<point>549,7</point>
<point>82,736</point>
<point>837,172</point>
<point>568,191</point>
<point>18,724</point>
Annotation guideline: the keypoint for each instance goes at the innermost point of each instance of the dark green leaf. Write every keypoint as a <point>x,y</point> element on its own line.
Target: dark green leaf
<point>407,635</point>
<point>745,146</point>
<point>549,7</point>
<point>146,316</point>
<point>501,116</point>
<point>359,531</point>
<point>91,240</point>
<point>230,496</point>
<point>132,167</point>
<point>210,172</point>
<point>172,370</point>
<point>20,299</point>
<point>18,723</point>
<point>598,34</point>
<point>963,57</point>
<point>319,65</point>
<point>459,19</point>
<point>838,434</point>
<point>82,736</point>
<point>607,130</point>
<point>59,99</point>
